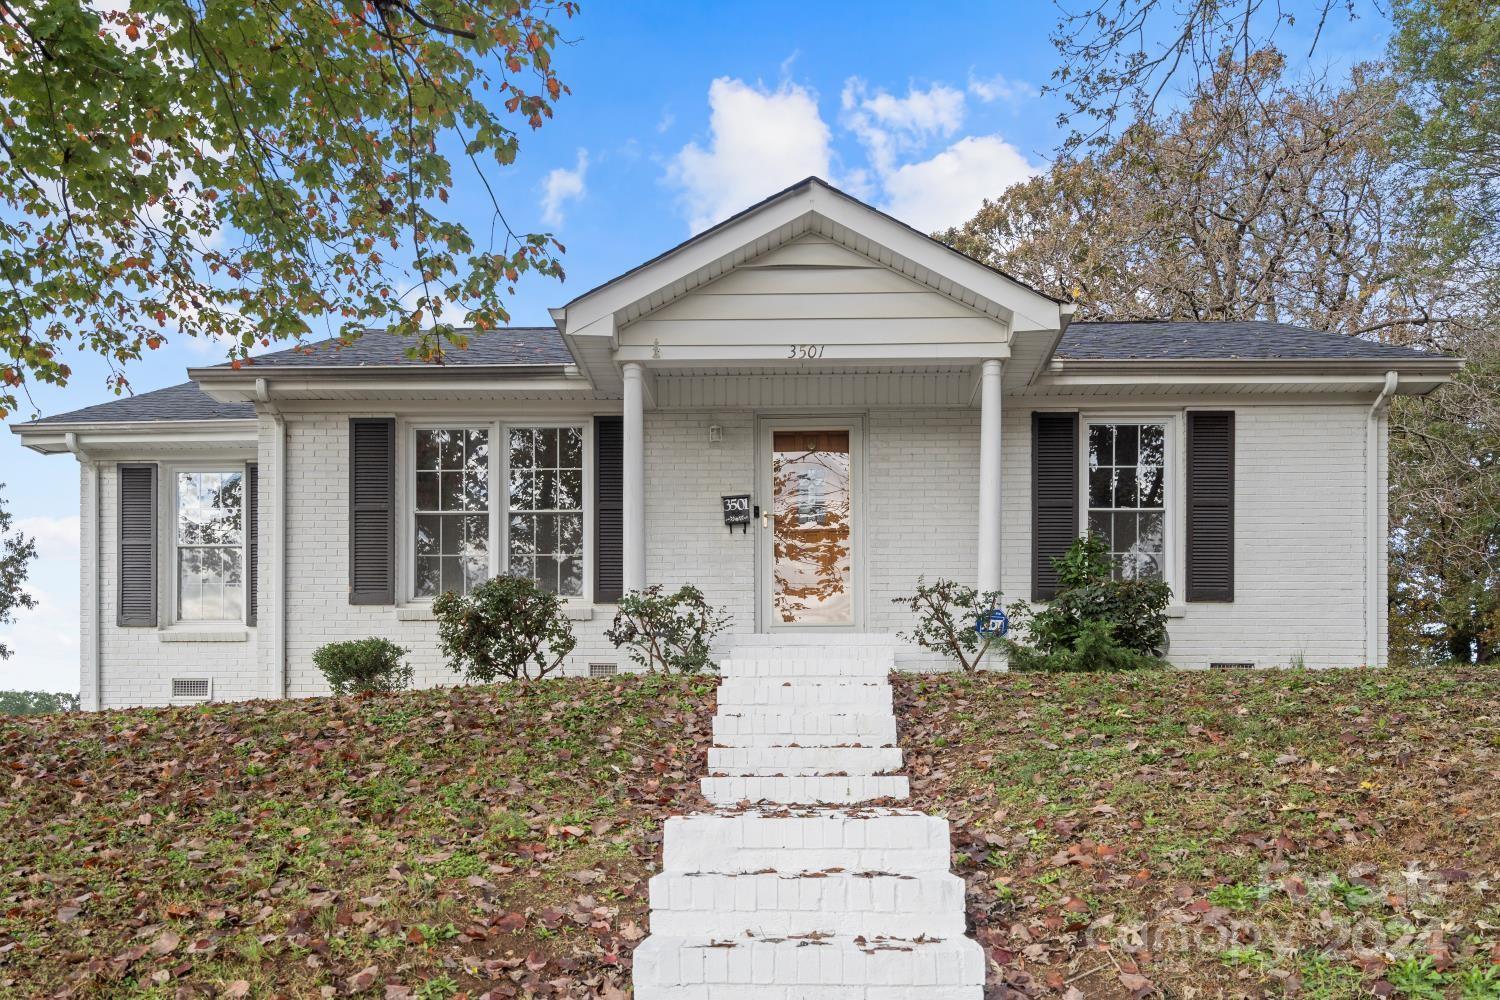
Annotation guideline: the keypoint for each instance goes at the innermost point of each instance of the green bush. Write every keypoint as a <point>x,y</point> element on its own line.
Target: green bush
<point>1095,622</point>
<point>667,632</point>
<point>508,628</point>
<point>37,703</point>
<point>363,666</point>
<point>946,614</point>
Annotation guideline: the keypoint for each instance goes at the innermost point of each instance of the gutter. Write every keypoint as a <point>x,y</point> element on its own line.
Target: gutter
<point>279,606</point>
<point>92,662</point>
<point>1375,544</point>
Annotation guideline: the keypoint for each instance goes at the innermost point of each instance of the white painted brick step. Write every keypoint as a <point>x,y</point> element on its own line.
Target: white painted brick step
<point>829,667</point>
<point>803,760</point>
<point>897,841</point>
<point>779,727</point>
<point>832,962</point>
<point>824,694</point>
<point>782,905</point>
<point>805,789</point>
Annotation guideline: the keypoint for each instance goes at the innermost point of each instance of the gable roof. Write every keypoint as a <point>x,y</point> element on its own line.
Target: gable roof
<point>1239,340</point>
<point>174,403</point>
<point>504,346</point>
<point>804,184</point>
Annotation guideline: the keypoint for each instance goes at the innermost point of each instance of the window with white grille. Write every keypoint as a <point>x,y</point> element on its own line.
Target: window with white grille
<point>191,688</point>
<point>603,669</point>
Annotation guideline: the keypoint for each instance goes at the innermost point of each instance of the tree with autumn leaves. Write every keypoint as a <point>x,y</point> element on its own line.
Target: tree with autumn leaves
<point>250,171</point>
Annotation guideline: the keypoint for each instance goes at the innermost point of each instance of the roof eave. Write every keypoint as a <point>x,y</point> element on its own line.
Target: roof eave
<point>50,437</point>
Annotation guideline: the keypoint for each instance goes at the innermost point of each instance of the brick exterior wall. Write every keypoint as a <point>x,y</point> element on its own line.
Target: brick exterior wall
<point>1300,545</point>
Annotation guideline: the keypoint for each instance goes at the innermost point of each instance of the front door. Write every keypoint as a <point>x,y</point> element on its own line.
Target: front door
<point>810,563</point>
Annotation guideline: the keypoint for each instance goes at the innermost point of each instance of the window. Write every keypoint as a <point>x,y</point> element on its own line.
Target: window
<point>536,524</point>
<point>545,526</point>
<point>1127,495</point>
<point>452,537</point>
<point>210,542</point>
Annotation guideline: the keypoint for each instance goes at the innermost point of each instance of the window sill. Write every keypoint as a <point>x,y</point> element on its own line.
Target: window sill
<point>184,634</point>
<point>424,613</point>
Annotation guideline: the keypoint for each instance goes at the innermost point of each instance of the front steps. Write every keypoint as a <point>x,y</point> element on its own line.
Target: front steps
<point>807,882</point>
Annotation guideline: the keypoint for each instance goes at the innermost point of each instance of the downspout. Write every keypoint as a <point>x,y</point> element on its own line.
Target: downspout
<point>94,666</point>
<point>279,606</point>
<point>1375,543</point>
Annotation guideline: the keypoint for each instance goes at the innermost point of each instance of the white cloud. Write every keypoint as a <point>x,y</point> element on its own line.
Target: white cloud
<point>949,188</point>
<point>1000,88</point>
<point>888,126</point>
<point>562,186</point>
<point>44,640</point>
<point>761,141</point>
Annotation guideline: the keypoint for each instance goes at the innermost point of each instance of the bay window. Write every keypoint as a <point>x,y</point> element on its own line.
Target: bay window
<point>463,531</point>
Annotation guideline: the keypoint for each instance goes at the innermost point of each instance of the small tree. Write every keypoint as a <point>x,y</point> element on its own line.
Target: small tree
<point>672,632</point>
<point>947,613</point>
<point>16,550</point>
<point>1095,622</point>
<point>363,666</point>
<point>508,628</point>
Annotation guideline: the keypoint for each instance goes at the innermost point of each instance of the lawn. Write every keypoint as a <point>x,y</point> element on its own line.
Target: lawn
<point>1183,835</point>
<point>1324,834</point>
<point>417,845</point>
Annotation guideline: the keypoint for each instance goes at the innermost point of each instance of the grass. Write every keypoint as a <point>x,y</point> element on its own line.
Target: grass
<point>1326,834</point>
<point>1318,834</point>
<point>452,841</point>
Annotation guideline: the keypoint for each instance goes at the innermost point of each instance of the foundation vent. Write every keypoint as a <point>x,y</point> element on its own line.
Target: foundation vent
<point>603,669</point>
<point>1231,666</point>
<point>192,688</point>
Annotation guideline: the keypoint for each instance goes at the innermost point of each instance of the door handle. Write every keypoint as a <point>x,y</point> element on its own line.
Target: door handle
<point>765,520</point>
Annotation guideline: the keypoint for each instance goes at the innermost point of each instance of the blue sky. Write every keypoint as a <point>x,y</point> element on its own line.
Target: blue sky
<point>680,115</point>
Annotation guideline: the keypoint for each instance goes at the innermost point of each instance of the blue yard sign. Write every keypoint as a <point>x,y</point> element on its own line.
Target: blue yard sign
<point>993,624</point>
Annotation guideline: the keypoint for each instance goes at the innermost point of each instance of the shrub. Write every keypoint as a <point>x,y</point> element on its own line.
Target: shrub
<point>1095,622</point>
<point>363,666</point>
<point>508,628</point>
<point>672,632</point>
<point>946,614</point>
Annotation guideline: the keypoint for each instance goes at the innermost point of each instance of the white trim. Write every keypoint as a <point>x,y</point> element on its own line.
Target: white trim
<point>765,426</point>
<point>1376,546</point>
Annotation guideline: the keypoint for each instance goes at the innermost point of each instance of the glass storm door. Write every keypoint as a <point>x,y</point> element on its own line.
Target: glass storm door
<point>811,507</point>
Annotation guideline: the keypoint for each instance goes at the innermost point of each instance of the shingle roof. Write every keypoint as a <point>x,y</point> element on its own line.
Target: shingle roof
<point>178,402</point>
<point>512,345</point>
<point>1161,340</point>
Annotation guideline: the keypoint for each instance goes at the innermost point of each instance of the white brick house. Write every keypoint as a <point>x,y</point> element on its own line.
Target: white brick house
<point>889,407</point>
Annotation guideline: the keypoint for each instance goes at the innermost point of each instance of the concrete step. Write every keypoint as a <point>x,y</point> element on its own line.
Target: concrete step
<point>837,968</point>
<point>824,694</point>
<point>782,905</point>
<point>731,761</point>
<point>892,841</point>
<point>805,789</point>
<point>785,727</point>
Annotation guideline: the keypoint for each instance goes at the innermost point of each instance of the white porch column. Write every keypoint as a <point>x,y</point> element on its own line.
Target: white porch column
<point>635,478</point>
<point>989,476</point>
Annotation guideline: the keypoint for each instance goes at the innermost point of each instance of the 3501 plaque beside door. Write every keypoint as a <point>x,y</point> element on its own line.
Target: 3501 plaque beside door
<point>812,493</point>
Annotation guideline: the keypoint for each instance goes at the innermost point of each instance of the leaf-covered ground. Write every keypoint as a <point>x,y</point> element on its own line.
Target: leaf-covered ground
<point>417,845</point>
<point>1182,835</point>
<point>1320,834</point>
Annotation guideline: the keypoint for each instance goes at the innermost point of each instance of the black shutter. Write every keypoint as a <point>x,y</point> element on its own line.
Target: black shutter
<point>1054,496</point>
<point>137,602</point>
<point>252,542</point>
<point>609,508</point>
<point>372,511</point>
<point>1210,506</point>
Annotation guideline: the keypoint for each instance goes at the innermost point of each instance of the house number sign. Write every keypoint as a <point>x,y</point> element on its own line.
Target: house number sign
<point>737,512</point>
<point>806,352</point>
